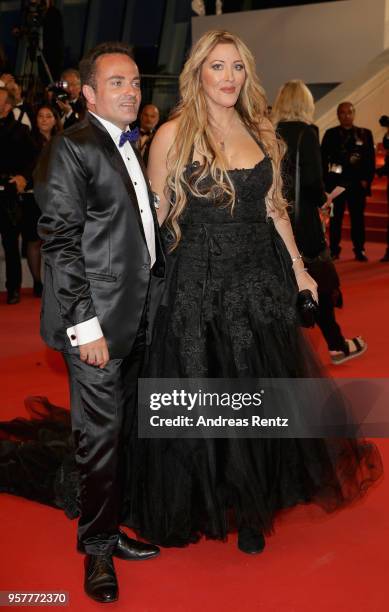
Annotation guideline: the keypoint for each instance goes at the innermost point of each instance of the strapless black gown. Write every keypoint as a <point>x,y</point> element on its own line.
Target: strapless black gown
<point>228,311</point>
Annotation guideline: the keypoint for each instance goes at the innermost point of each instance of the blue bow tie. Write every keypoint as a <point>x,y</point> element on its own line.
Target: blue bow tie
<point>129,136</point>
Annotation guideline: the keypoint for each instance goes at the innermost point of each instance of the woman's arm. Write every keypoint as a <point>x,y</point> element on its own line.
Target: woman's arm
<point>157,165</point>
<point>284,228</point>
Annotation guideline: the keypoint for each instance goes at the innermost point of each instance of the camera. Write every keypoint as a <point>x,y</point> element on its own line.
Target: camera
<point>33,13</point>
<point>59,94</point>
<point>384,121</point>
<point>58,89</point>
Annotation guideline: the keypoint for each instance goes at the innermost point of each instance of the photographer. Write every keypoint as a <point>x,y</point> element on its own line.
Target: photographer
<point>349,161</point>
<point>16,161</point>
<point>72,105</point>
<point>384,171</point>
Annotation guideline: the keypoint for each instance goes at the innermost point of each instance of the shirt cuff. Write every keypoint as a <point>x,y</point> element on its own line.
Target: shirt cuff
<point>84,332</point>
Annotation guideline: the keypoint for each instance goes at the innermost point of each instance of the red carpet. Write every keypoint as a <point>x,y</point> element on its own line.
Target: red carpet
<point>313,562</point>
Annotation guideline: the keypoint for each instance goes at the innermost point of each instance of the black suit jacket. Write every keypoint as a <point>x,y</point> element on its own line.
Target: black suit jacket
<point>17,151</point>
<point>96,257</point>
<point>337,146</point>
<point>78,113</point>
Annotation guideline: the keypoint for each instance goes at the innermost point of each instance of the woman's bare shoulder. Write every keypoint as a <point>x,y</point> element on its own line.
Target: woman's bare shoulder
<point>167,132</point>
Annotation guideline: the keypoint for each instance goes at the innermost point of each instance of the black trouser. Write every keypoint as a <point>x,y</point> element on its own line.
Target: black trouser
<point>103,404</point>
<point>10,230</point>
<point>355,198</point>
<point>325,319</point>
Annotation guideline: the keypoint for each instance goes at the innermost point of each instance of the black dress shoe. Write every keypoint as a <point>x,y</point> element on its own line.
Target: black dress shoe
<point>100,578</point>
<point>360,256</point>
<point>13,297</point>
<point>38,289</point>
<point>250,541</point>
<point>132,550</point>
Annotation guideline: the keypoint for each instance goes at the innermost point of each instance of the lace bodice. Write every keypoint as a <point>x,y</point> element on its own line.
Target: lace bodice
<point>251,186</point>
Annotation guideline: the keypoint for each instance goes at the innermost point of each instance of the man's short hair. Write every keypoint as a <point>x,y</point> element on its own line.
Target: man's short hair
<point>343,104</point>
<point>10,99</point>
<point>88,62</point>
<point>72,71</point>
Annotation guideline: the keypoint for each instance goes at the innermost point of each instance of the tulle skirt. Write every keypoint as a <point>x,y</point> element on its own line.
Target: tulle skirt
<point>222,316</point>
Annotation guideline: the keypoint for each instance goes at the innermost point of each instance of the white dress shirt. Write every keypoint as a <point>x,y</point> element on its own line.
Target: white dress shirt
<point>25,119</point>
<point>90,330</point>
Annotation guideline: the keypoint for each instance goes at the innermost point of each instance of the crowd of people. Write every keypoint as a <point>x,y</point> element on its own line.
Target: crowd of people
<point>190,270</point>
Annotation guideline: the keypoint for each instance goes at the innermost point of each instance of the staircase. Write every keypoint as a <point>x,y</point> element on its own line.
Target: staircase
<point>376,212</point>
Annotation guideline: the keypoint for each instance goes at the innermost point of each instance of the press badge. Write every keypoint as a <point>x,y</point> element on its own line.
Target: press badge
<point>336,168</point>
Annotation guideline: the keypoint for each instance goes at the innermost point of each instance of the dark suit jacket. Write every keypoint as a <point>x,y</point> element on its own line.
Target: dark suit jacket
<point>96,257</point>
<point>78,113</point>
<point>337,146</point>
<point>17,151</point>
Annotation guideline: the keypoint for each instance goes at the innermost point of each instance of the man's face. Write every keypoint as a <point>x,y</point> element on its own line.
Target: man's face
<point>149,117</point>
<point>116,95</point>
<point>74,85</point>
<point>5,107</point>
<point>346,115</point>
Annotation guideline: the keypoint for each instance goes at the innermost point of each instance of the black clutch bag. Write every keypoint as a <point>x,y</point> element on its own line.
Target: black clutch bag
<point>306,308</point>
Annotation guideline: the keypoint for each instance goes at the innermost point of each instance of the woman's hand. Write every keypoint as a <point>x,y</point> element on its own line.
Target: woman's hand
<point>305,281</point>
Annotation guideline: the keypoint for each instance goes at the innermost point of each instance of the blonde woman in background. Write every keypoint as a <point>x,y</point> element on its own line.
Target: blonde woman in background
<point>293,112</point>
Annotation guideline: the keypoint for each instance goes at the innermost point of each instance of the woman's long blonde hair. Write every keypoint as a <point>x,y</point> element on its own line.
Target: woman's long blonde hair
<point>294,102</point>
<point>194,133</point>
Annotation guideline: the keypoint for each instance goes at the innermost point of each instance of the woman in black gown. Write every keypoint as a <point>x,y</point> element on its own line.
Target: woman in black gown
<point>228,311</point>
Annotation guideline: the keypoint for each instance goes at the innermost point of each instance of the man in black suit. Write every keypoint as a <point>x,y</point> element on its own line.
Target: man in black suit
<point>104,271</point>
<point>349,161</point>
<point>17,158</point>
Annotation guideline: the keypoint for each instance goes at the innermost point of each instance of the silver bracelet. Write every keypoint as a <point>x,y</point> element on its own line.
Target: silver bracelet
<point>294,259</point>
